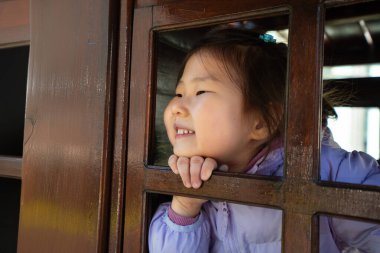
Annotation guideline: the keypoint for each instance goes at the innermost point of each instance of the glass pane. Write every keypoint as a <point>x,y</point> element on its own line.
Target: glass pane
<point>342,235</point>
<point>171,50</point>
<point>361,124</point>
<point>13,74</point>
<point>243,228</point>
<point>351,105</point>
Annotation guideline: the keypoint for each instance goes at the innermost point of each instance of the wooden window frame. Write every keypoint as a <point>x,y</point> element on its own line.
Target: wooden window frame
<point>14,31</point>
<point>299,193</point>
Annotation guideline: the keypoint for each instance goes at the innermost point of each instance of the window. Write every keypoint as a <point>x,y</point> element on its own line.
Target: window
<point>300,195</point>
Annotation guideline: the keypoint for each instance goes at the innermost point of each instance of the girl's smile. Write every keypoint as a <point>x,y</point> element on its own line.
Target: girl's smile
<point>183,132</point>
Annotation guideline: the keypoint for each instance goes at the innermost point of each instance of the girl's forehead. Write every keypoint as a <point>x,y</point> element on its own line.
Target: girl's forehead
<point>203,64</point>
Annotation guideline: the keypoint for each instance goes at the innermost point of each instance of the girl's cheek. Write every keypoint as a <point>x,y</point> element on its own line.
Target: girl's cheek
<point>167,122</point>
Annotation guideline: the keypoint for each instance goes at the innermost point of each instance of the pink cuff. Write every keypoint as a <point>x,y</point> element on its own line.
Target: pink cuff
<point>181,220</point>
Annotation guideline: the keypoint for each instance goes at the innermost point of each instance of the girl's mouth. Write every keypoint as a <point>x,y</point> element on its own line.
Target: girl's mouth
<point>182,132</point>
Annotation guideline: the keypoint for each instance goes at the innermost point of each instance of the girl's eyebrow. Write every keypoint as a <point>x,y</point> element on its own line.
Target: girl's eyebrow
<point>201,79</point>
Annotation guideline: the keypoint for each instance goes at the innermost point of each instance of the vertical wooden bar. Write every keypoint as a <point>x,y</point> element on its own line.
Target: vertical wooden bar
<point>66,162</point>
<point>139,83</point>
<point>302,122</point>
<point>121,127</point>
<point>304,90</point>
<point>297,233</point>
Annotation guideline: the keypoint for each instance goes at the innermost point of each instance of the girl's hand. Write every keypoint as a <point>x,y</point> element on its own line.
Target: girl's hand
<point>194,170</point>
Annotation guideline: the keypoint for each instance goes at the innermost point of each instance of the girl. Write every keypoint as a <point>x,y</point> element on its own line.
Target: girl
<point>228,110</point>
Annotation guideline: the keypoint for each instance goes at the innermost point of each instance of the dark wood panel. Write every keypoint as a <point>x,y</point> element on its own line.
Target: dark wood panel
<point>172,13</point>
<point>124,31</point>
<point>10,167</point>
<point>14,22</point>
<point>66,155</point>
<point>140,81</point>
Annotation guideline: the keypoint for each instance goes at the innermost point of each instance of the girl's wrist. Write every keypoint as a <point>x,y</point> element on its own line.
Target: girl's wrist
<point>186,207</point>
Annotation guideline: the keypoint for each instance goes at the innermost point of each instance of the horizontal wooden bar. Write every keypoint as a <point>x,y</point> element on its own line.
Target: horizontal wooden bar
<point>238,188</point>
<point>147,3</point>
<point>177,12</point>
<point>10,167</point>
<point>352,202</point>
<point>14,23</point>
<point>293,195</point>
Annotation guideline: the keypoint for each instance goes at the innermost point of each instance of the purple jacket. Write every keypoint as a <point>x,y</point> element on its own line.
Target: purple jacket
<point>227,227</point>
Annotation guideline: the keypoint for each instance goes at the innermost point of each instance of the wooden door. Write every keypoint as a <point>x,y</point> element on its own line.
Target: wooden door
<point>68,127</point>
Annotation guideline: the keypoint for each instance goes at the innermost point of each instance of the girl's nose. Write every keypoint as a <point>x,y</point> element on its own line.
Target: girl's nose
<point>179,108</point>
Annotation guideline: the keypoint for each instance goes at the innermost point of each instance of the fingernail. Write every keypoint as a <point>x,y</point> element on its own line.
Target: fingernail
<point>196,185</point>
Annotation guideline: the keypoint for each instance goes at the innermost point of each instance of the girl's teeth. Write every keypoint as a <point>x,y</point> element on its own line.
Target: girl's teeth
<point>184,131</point>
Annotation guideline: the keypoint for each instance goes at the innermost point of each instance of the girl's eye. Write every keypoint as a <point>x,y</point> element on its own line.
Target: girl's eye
<point>178,95</point>
<point>200,92</point>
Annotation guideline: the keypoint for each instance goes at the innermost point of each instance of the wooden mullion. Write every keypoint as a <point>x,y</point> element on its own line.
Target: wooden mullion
<point>14,23</point>
<point>301,197</point>
<point>139,82</point>
<point>237,189</point>
<point>297,233</point>
<point>120,127</point>
<point>302,139</point>
<point>173,13</point>
<point>345,201</point>
<point>10,167</point>
<point>303,92</point>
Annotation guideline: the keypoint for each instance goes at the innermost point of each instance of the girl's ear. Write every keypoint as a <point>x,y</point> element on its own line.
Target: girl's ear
<point>259,131</point>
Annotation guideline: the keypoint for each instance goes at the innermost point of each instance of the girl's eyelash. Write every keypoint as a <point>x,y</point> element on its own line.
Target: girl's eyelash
<point>200,92</point>
<point>178,95</point>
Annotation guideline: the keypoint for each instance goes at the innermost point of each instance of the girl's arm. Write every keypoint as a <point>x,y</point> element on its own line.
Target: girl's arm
<point>193,171</point>
<point>165,236</point>
<point>354,167</point>
<point>356,236</point>
<point>358,168</point>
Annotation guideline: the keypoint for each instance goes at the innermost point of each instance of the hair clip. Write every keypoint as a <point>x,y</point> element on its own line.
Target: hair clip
<point>267,38</point>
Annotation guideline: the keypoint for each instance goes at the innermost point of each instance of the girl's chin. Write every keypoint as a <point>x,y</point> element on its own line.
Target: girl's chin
<point>186,153</point>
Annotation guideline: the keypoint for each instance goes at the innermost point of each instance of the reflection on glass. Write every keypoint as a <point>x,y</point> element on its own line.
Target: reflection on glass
<point>362,125</point>
<point>352,70</point>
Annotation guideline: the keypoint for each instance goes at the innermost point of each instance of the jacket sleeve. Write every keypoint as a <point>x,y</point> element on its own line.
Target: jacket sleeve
<point>357,168</point>
<point>356,236</point>
<point>167,237</point>
<point>349,167</point>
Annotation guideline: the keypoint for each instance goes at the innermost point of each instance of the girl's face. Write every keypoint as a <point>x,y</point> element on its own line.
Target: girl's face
<point>206,117</point>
